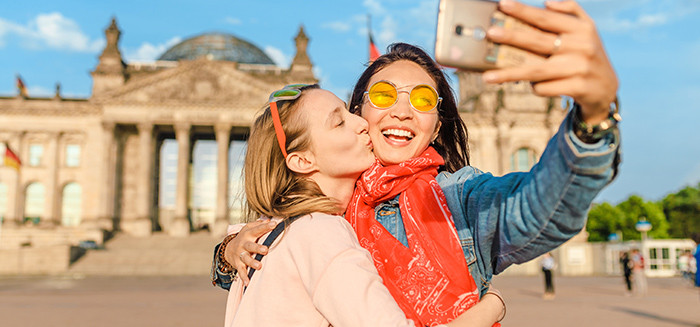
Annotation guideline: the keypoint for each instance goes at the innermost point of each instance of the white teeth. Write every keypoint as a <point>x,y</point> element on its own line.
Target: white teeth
<point>398,132</point>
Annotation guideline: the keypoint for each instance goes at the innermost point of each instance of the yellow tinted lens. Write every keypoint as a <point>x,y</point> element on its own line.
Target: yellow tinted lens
<point>382,94</point>
<point>424,98</point>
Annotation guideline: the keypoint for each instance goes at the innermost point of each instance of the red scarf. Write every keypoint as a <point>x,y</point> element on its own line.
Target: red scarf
<point>429,279</point>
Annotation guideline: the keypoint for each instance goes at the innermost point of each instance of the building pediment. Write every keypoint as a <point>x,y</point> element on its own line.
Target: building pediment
<point>198,82</point>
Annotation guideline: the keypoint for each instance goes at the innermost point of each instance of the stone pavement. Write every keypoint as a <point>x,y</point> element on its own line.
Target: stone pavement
<point>192,301</point>
<point>599,301</point>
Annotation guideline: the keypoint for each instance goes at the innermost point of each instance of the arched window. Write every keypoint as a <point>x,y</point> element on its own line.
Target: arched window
<point>522,160</point>
<point>71,208</point>
<point>34,202</point>
<point>3,201</point>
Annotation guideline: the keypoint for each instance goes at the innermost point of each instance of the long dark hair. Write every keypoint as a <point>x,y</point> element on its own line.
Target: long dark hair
<point>451,142</point>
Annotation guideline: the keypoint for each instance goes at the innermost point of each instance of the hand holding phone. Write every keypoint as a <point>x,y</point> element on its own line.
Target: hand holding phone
<point>573,61</point>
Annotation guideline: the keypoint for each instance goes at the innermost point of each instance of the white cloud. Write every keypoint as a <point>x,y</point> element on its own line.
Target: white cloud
<point>401,21</point>
<point>374,7</point>
<point>614,24</point>
<point>279,57</point>
<point>325,81</point>
<point>425,13</point>
<point>631,16</point>
<point>337,26</point>
<point>7,28</point>
<point>233,21</point>
<point>387,30</point>
<point>38,91</point>
<point>63,33</point>
<point>53,31</point>
<point>150,52</point>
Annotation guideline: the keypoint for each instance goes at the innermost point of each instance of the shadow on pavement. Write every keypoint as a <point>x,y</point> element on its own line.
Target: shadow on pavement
<point>656,317</point>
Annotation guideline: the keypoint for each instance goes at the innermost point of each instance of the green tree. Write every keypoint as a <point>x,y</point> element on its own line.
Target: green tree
<point>603,219</point>
<point>682,209</point>
<point>633,209</point>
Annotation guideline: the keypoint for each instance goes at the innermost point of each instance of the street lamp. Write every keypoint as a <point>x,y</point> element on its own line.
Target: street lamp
<point>643,226</point>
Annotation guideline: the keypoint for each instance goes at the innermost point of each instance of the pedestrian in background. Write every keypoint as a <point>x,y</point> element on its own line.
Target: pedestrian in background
<point>548,266</point>
<point>627,271</point>
<point>640,280</point>
<point>696,256</point>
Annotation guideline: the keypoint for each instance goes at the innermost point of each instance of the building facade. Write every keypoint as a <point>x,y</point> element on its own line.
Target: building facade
<point>94,164</point>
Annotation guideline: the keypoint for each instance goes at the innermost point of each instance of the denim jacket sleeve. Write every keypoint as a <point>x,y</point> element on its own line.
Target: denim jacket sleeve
<point>218,277</point>
<point>519,216</point>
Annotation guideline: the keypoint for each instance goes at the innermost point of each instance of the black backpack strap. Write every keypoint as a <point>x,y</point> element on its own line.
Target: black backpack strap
<point>269,240</point>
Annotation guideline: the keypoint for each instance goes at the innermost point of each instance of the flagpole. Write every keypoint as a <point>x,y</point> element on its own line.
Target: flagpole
<point>369,33</point>
<point>373,51</point>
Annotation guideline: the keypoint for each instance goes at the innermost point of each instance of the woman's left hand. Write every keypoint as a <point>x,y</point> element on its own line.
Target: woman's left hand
<point>576,64</point>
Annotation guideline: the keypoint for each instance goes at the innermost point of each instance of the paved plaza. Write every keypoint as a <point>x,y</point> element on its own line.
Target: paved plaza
<point>192,301</point>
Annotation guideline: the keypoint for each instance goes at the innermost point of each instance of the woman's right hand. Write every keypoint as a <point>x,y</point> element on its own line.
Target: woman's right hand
<point>240,252</point>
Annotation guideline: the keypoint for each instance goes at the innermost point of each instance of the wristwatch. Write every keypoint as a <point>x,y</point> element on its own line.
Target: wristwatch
<point>594,133</point>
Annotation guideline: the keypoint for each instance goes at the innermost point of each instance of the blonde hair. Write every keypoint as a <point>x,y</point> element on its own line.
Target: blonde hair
<point>271,188</point>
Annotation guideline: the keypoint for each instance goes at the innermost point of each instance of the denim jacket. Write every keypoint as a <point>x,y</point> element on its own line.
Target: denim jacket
<point>520,216</point>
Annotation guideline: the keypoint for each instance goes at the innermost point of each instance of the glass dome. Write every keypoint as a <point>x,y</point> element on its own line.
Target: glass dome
<point>220,46</point>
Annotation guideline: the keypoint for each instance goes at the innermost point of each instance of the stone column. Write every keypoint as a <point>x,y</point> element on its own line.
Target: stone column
<point>181,225</point>
<point>106,216</point>
<point>142,226</point>
<point>52,211</point>
<point>503,141</point>
<point>223,141</point>
<point>15,187</point>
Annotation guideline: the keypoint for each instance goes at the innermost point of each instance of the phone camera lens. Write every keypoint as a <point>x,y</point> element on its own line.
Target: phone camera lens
<point>479,33</point>
<point>458,29</point>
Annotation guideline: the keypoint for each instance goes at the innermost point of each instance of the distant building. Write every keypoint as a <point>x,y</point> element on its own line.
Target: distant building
<point>95,164</point>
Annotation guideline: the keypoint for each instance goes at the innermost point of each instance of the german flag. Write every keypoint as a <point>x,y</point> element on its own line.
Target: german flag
<point>11,159</point>
<point>373,51</point>
<point>21,88</point>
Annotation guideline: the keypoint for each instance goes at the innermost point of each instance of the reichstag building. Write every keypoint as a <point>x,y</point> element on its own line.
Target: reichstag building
<point>95,165</point>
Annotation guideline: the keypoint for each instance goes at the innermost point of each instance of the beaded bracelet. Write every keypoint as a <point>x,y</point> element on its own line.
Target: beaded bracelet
<point>224,266</point>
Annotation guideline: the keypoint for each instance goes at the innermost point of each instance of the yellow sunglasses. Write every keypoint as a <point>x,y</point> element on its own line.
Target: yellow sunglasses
<point>422,97</point>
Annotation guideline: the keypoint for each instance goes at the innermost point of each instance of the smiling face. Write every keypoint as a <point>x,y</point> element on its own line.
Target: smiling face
<point>340,145</point>
<point>400,132</point>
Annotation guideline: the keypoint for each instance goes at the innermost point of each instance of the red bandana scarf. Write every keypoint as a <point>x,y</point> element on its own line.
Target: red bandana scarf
<point>429,279</point>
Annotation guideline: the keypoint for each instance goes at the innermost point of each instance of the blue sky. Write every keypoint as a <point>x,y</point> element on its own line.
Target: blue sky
<point>653,44</point>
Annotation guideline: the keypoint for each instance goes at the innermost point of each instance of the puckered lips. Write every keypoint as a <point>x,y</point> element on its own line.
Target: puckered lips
<point>398,135</point>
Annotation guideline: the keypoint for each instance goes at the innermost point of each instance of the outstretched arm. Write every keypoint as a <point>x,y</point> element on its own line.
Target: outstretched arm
<point>520,216</point>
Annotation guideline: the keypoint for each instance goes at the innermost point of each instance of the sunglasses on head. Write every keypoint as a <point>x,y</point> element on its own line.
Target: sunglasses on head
<point>287,93</point>
<point>422,97</point>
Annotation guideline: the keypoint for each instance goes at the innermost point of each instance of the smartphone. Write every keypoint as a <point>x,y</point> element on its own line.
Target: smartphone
<point>461,42</point>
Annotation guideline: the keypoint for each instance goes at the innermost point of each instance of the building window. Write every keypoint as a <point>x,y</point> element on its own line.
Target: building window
<point>3,202</point>
<point>522,160</point>
<point>72,155</point>
<point>34,202</point>
<point>71,208</point>
<point>36,151</point>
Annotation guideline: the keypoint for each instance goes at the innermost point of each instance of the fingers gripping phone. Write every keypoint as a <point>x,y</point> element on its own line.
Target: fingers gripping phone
<point>461,41</point>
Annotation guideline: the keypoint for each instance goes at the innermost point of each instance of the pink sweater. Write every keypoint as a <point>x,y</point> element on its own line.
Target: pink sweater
<point>316,274</point>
